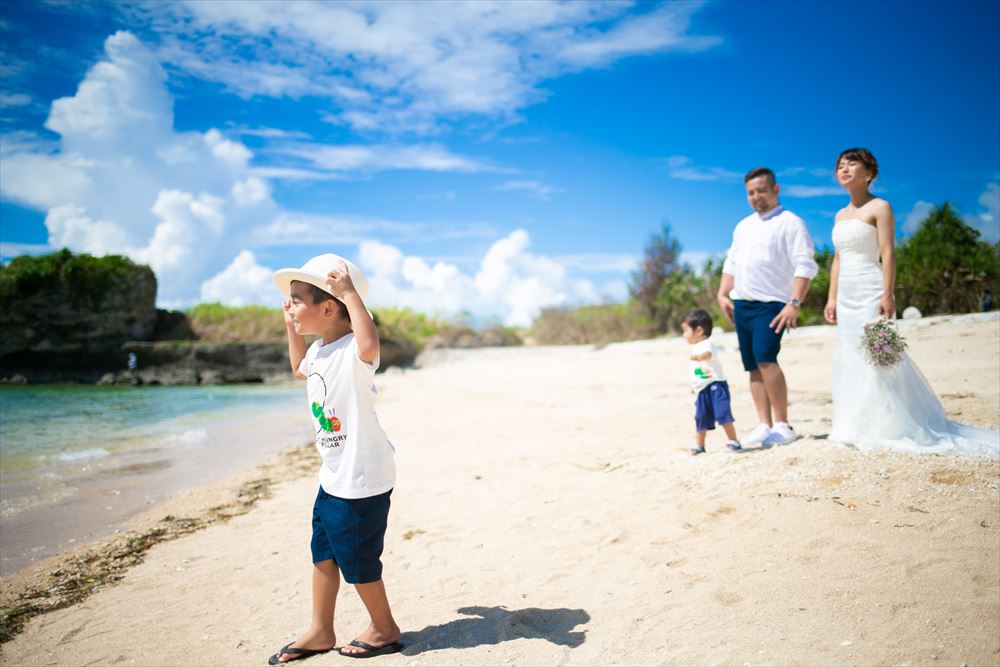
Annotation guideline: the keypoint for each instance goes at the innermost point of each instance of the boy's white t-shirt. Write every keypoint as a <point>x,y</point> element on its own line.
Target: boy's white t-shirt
<point>704,373</point>
<point>357,455</point>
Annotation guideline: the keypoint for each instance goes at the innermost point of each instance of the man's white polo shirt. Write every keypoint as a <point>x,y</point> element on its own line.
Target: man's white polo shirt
<point>768,252</point>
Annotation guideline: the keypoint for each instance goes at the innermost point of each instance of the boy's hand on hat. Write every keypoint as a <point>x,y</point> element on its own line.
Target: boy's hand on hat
<point>339,280</point>
<point>287,308</point>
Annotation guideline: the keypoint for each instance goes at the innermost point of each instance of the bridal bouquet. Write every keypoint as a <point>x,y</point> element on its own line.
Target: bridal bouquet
<point>883,343</point>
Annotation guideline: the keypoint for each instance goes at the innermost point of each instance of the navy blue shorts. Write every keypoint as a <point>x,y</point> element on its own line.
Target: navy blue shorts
<point>712,407</point>
<point>351,532</point>
<point>759,344</point>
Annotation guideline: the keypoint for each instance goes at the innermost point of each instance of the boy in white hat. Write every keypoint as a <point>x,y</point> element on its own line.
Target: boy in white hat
<point>326,298</point>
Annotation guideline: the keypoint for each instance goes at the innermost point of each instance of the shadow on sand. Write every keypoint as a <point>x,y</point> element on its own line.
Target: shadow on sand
<point>493,625</point>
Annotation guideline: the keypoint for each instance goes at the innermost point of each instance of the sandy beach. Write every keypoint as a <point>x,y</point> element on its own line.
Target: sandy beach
<point>547,512</point>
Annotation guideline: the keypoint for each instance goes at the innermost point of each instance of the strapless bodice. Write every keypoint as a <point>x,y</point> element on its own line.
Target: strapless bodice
<point>857,243</point>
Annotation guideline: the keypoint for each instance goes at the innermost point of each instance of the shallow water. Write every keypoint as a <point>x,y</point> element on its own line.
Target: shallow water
<point>76,461</point>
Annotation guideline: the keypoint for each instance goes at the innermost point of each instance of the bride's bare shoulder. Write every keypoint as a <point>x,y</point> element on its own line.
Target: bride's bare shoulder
<point>879,205</point>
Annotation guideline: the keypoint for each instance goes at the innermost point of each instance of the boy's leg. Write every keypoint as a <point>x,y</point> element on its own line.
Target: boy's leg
<point>704,419</point>
<point>730,431</point>
<point>699,448</point>
<point>383,629</point>
<point>325,586</point>
<point>320,636</point>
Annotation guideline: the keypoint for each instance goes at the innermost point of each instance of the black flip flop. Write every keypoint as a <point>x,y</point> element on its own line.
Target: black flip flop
<point>372,651</point>
<point>298,653</point>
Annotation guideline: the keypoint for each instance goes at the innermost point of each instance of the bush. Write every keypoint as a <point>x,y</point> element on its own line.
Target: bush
<point>819,289</point>
<point>416,327</point>
<point>945,267</point>
<point>82,279</point>
<point>605,323</point>
<point>657,272</point>
<point>218,323</point>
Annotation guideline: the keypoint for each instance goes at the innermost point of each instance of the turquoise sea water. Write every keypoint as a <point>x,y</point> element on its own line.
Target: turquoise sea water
<point>46,425</point>
<point>77,461</point>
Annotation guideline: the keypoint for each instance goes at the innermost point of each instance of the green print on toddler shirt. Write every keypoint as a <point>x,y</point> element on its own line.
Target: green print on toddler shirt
<point>702,373</point>
<point>325,416</point>
<point>329,424</point>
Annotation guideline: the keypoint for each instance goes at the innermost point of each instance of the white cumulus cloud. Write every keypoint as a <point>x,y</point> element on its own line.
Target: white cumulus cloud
<point>121,179</point>
<point>241,283</point>
<point>511,283</point>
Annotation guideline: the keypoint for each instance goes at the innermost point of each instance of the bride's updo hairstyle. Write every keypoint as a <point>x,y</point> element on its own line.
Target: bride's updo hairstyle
<point>862,155</point>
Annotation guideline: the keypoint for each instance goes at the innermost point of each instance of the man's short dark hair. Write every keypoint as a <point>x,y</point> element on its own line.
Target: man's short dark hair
<point>760,171</point>
<point>699,318</point>
<point>319,295</point>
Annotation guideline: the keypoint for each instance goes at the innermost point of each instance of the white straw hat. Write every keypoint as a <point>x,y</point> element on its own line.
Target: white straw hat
<point>315,271</point>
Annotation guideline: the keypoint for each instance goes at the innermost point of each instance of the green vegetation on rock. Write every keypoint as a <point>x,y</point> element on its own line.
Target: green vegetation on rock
<point>218,323</point>
<point>69,301</point>
<point>82,279</point>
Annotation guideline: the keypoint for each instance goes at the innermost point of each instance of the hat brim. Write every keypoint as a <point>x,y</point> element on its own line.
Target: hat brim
<point>315,272</point>
<point>283,280</point>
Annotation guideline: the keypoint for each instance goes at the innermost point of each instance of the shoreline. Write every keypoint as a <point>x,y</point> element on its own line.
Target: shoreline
<point>71,576</point>
<point>146,456</point>
<point>597,535</point>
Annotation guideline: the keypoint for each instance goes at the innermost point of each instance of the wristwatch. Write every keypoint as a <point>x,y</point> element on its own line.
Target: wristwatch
<point>795,303</point>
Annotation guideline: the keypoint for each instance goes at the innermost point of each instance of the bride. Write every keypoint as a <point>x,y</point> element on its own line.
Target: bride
<point>880,407</point>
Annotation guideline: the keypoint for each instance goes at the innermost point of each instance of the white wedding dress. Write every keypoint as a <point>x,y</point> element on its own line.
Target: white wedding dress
<point>875,407</point>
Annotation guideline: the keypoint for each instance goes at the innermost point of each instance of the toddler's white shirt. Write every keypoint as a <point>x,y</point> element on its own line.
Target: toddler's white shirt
<point>357,455</point>
<point>704,373</point>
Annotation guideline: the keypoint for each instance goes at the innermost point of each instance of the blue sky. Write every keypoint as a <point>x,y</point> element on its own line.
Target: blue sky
<point>491,158</point>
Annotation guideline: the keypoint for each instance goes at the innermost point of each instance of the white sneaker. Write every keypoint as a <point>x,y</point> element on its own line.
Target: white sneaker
<point>781,434</point>
<point>758,435</point>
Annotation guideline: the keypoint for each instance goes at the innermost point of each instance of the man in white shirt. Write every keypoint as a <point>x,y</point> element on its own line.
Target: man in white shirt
<point>764,279</point>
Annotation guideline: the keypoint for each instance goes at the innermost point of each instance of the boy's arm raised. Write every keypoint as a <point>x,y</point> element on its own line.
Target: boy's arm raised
<point>296,343</point>
<point>365,332</point>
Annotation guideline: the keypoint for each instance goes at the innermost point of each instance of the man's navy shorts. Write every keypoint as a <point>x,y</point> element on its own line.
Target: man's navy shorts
<point>351,532</point>
<point>712,407</point>
<point>759,344</point>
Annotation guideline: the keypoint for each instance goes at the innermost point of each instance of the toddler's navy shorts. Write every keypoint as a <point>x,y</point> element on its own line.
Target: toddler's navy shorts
<point>712,407</point>
<point>351,532</point>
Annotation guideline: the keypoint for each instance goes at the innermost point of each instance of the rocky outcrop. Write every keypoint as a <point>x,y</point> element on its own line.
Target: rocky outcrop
<point>178,363</point>
<point>77,318</point>
<point>76,306</point>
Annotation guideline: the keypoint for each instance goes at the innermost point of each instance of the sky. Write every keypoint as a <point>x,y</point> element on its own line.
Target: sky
<point>486,158</point>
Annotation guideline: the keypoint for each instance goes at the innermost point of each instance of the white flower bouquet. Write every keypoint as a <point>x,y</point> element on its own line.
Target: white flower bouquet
<point>882,343</point>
